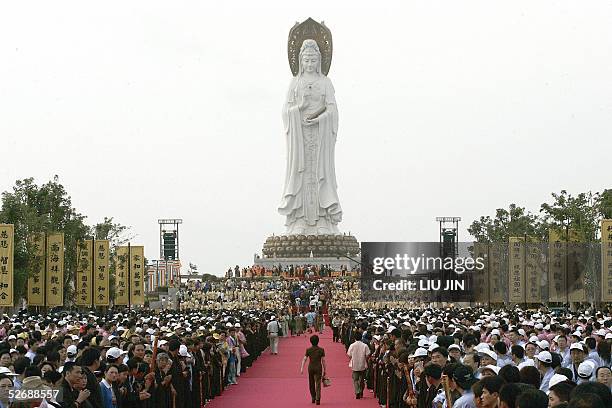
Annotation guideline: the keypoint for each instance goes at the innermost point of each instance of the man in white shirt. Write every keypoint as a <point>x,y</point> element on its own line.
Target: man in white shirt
<point>544,359</point>
<point>273,328</point>
<point>32,350</point>
<point>358,351</point>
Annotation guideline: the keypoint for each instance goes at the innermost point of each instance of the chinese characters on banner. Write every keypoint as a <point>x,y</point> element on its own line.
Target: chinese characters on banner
<point>496,253</point>
<point>137,271</point>
<point>101,286</point>
<point>55,270</point>
<point>516,270</point>
<point>535,271</point>
<point>577,252</point>
<point>481,277</point>
<point>606,260</point>
<point>36,278</point>
<point>121,276</point>
<point>7,234</point>
<point>83,273</point>
<point>557,286</point>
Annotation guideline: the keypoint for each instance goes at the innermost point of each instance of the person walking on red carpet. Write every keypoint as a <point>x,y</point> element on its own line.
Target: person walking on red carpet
<point>316,368</point>
<point>358,351</point>
<point>273,329</point>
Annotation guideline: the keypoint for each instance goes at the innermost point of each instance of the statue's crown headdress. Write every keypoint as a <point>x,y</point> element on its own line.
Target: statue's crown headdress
<point>309,37</point>
<point>310,47</point>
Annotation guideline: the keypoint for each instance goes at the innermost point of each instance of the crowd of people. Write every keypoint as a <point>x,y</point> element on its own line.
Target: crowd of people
<point>404,356</point>
<point>478,358</point>
<point>166,360</point>
<point>305,271</point>
<point>235,294</point>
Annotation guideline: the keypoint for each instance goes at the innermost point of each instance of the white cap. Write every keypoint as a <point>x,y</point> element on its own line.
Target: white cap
<point>534,339</point>
<point>601,332</point>
<point>495,331</point>
<point>526,363</point>
<point>454,346</point>
<point>6,371</point>
<point>543,344</point>
<point>585,369</point>
<point>482,346</point>
<point>423,343</point>
<point>183,352</point>
<point>12,337</point>
<point>489,353</point>
<point>114,352</point>
<point>556,379</point>
<point>545,357</point>
<point>162,342</point>
<point>420,352</point>
<point>491,367</point>
<point>72,350</point>
<point>522,332</point>
<point>577,346</point>
<point>433,347</point>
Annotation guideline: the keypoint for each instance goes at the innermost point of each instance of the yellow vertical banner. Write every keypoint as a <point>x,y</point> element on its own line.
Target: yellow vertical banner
<point>576,254</point>
<point>606,260</point>
<point>7,247</point>
<point>557,267</point>
<point>83,282</point>
<point>137,269</point>
<point>55,270</point>
<point>535,271</point>
<point>121,276</point>
<point>101,285</point>
<point>481,277</point>
<point>36,272</point>
<point>516,269</point>
<point>495,267</point>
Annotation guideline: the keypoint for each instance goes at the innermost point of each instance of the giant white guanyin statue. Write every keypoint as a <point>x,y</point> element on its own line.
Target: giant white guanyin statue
<point>310,199</point>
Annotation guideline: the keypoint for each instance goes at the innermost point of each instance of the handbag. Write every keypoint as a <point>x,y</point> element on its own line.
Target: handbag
<point>326,382</point>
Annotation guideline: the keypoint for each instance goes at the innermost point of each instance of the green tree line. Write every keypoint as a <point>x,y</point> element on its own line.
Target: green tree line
<point>581,213</point>
<point>47,208</point>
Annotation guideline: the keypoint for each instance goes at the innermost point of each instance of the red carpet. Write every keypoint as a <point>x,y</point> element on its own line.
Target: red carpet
<point>275,381</point>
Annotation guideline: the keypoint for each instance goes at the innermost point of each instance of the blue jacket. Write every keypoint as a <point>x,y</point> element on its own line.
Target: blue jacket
<point>107,396</point>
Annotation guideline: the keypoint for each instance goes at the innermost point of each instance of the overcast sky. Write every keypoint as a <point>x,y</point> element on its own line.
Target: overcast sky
<point>150,110</point>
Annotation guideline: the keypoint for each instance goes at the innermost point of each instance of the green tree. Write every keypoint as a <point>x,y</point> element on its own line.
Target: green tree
<point>34,209</point>
<point>605,204</point>
<point>513,222</point>
<point>581,214</point>
<point>578,218</point>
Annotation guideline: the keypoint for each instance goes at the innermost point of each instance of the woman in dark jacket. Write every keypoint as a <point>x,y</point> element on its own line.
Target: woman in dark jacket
<point>316,368</point>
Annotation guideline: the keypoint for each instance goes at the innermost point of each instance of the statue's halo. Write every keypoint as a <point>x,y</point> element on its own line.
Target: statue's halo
<point>309,29</point>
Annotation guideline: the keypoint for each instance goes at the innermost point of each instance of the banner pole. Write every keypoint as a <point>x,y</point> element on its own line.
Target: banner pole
<point>129,277</point>
<point>44,277</point>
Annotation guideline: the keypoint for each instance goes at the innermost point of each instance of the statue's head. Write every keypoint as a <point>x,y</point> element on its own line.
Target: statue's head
<point>310,57</point>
